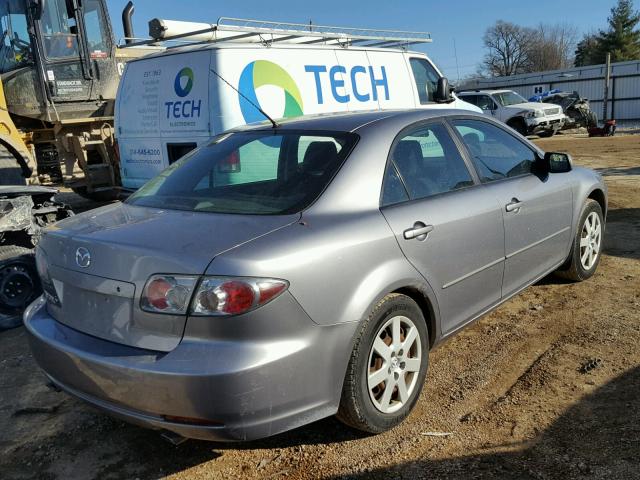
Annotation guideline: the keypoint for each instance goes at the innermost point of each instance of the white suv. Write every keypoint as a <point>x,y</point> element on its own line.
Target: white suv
<point>527,118</point>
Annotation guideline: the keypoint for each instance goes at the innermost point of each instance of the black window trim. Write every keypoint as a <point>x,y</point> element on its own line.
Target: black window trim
<point>390,162</point>
<point>539,154</point>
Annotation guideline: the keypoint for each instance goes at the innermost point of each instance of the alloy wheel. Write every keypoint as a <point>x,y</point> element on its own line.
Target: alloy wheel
<point>394,364</point>
<point>590,240</point>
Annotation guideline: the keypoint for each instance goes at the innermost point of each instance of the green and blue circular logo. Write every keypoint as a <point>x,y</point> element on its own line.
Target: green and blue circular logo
<point>177,84</point>
<point>263,72</point>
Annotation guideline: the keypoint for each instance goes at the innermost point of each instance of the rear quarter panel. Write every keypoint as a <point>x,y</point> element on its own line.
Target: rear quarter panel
<point>338,267</point>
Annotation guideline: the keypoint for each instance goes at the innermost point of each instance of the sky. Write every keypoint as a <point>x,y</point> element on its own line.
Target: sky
<point>462,22</point>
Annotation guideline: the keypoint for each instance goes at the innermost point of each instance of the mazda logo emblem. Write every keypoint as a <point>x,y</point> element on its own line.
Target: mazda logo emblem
<point>83,257</point>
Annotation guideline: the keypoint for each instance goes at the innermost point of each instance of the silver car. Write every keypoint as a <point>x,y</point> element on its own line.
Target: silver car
<point>276,276</point>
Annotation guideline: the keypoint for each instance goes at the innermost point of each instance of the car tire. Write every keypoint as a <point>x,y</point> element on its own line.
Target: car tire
<point>381,348</point>
<point>587,244</point>
<point>19,284</point>
<point>547,134</point>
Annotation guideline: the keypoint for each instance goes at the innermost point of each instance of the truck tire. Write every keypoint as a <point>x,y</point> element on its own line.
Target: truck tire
<point>518,125</point>
<point>19,284</point>
<point>548,134</point>
<point>10,170</point>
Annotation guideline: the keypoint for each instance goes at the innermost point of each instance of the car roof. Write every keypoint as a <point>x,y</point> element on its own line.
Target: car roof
<point>352,121</point>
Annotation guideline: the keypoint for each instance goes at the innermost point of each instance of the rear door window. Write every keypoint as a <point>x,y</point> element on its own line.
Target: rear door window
<point>427,162</point>
<point>485,102</point>
<point>473,99</point>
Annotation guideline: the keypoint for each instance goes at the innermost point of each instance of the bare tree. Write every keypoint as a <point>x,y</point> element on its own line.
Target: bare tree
<point>551,47</point>
<point>508,48</point>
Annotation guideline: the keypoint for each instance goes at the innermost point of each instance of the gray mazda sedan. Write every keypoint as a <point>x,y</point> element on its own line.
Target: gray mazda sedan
<point>276,276</point>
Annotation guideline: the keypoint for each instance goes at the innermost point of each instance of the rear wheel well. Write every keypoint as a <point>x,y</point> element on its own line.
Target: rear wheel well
<point>425,306</point>
<point>598,196</point>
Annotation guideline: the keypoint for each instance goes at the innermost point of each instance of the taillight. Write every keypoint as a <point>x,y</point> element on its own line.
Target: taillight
<point>233,296</point>
<point>168,293</point>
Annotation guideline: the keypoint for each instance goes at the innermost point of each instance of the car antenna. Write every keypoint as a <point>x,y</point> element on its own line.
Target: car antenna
<point>273,122</point>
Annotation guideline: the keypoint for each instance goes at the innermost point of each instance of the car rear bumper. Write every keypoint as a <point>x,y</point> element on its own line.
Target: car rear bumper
<point>209,389</point>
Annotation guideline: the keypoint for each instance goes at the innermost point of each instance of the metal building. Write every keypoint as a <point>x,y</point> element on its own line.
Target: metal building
<point>624,87</point>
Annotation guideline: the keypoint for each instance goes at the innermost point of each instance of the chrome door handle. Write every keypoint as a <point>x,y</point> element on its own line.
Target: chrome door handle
<point>513,206</point>
<point>418,231</point>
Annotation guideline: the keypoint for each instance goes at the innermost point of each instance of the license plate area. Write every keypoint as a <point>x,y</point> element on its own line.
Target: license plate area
<point>95,305</point>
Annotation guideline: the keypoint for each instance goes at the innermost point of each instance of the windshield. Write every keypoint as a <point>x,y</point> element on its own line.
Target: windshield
<point>15,47</point>
<point>252,173</point>
<point>508,98</point>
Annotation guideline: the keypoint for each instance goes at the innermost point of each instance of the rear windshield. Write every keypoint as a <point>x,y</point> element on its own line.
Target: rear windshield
<point>253,173</point>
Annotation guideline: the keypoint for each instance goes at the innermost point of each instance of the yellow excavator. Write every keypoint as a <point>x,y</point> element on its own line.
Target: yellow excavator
<point>59,71</point>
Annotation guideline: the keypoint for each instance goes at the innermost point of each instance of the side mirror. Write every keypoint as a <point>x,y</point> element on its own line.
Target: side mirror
<point>443,92</point>
<point>556,162</point>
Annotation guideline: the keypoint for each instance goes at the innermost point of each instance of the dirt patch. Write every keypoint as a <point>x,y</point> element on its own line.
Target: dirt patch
<point>511,392</point>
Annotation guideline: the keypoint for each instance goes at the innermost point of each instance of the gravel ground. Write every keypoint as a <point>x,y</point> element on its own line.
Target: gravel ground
<point>545,387</point>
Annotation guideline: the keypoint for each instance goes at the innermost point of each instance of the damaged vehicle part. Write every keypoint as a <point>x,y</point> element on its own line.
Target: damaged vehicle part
<point>576,108</point>
<point>24,212</point>
<point>526,118</point>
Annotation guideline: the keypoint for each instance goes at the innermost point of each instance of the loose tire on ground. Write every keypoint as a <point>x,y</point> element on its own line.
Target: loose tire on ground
<point>359,407</point>
<point>19,284</point>
<point>586,238</point>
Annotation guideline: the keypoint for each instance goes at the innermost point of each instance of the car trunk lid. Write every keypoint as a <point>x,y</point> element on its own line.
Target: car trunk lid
<point>100,294</point>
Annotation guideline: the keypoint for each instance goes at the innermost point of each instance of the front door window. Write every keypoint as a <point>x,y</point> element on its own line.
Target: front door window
<point>57,31</point>
<point>426,79</point>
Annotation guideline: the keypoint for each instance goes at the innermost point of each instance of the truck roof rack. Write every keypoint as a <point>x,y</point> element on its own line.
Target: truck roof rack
<point>228,29</point>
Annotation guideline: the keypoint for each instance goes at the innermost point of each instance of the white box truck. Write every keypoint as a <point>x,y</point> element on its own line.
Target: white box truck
<point>170,102</point>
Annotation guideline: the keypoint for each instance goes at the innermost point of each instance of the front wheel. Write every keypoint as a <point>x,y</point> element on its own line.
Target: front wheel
<point>587,244</point>
<point>387,367</point>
